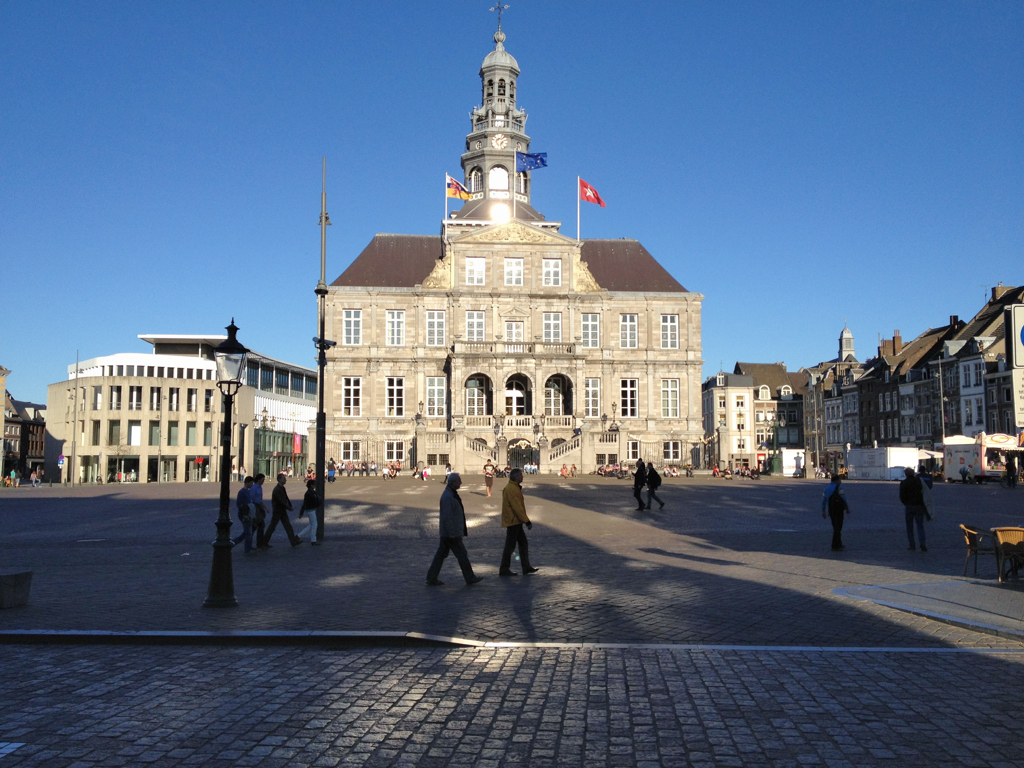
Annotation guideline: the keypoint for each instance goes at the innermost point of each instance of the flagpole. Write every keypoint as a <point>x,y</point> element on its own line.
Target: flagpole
<point>577,208</point>
<point>515,175</point>
<point>445,228</point>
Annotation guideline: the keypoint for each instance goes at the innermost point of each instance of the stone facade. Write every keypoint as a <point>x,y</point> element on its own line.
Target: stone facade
<point>504,339</point>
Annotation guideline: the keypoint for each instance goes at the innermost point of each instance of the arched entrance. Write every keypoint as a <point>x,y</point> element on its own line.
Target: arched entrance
<point>520,453</point>
<point>518,401</point>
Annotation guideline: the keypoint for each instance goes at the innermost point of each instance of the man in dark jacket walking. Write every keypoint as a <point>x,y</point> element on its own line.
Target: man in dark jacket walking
<point>452,527</point>
<point>833,502</point>
<point>912,499</point>
<point>280,504</point>
<point>639,481</point>
<point>653,483</point>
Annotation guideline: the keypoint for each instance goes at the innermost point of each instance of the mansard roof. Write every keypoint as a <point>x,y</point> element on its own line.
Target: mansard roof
<point>772,375</point>
<point>405,261</point>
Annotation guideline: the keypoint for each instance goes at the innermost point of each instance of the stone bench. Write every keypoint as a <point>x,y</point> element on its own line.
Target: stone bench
<point>14,588</point>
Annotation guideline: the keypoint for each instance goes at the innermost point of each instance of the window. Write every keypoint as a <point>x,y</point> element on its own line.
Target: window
<point>134,398</point>
<point>476,398</point>
<point>670,331</point>
<point>497,178</point>
<point>628,392</point>
<point>435,328</point>
<point>172,433</point>
<point>670,398</point>
<point>513,330</point>
<point>741,403</point>
<point>296,386</point>
<point>114,432</point>
<point>475,271</point>
<point>394,450</point>
<point>764,393</point>
<point>888,402</point>
<point>591,331</point>
<point>592,398</point>
<point>154,433</point>
<point>979,407</point>
<point>154,398</point>
<point>192,403</point>
<point>208,401</point>
<point>252,374</point>
<point>350,450</point>
<point>552,398</point>
<point>281,382</point>
<point>476,179</point>
<point>552,327</point>
<point>513,271</point>
<point>97,398</point>
<point>173,396</point>
<point>552,272</point>
<point>352,327</point>
<point>786,391</point>
<point>627,331</point>
<point>395,328</point>
<point>671,450</point>
<point>741,444</point>
<point>395,397</point>
<point>310,388</point>
<point>207,433</point>
<point>266,379</point>
<point>474,326</point>
<point>436,396</point>
<point>967,375</point>
<point>880,403</point>
<point>968,413</point>
<point>115,398</point>
<point>632,450</point>
<point>351,390</point>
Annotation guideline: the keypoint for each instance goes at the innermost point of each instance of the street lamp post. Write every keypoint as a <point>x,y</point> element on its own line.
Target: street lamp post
<point>230,357</point>
<point>773,425</point>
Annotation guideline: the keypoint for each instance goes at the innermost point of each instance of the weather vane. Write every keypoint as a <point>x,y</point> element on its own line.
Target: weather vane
<point>500,9</point>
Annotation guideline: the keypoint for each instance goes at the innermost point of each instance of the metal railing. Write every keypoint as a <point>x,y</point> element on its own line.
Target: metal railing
<point>564,448</point>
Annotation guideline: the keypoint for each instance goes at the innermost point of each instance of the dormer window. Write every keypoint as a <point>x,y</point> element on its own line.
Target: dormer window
<point>786,391</point>
<point>721,380</point>
<point>764,393</point>
<point>501,87</point>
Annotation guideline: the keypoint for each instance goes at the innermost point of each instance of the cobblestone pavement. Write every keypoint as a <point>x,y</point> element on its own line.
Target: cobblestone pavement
<point>727,562</point>
<point>508,707</point>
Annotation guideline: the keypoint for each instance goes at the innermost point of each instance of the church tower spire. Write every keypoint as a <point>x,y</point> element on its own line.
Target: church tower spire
<point>497,132</point>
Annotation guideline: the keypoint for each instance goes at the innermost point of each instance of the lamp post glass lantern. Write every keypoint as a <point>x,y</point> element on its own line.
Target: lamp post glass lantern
<point>230,359</point>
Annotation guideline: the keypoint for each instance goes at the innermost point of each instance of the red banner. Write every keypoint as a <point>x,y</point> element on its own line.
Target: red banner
<point>297,443</point>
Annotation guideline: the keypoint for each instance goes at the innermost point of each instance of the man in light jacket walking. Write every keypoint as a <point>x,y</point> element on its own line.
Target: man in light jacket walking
<point>452,527</point>
<point>513,518</point>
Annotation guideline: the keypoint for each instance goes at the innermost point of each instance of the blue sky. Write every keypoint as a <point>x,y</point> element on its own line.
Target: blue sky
<point>797,163</point>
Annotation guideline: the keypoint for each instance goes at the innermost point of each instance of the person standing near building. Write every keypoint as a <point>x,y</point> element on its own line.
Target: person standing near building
<point>653,483</point>
<point>452,528</point>
<point>243,503</point>
<point>331,470</point>
<point>639,481</point>
<point>833,503</point>
<point>1011,470</point>
<point>912,499</point>
<point>310,504</point>
<point>280,504</point>
<point>488,476</point>
<point>259,511</point>
<point>513,518</point>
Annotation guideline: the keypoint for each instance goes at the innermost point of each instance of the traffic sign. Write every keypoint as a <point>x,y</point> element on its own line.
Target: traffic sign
<point>61,457</point>
<point>60,462</point>
<point>1013,329</point>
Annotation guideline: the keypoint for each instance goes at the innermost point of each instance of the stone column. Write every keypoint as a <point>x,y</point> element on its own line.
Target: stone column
<point>457,446</point>
<point>420,447</point>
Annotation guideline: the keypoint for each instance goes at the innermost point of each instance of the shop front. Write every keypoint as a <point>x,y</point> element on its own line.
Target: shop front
<point>276,452</point>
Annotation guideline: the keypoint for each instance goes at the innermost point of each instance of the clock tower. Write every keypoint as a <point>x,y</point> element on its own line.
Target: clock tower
<point>497,132</point>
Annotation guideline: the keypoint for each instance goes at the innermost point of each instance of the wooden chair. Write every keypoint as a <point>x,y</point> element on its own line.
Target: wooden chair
<point>975,538</point>
<point>1009,543</point>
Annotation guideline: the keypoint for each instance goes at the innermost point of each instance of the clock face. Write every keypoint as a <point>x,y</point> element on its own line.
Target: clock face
<point>519,146</point>
<point>479,144</point>
<point>499,141</point>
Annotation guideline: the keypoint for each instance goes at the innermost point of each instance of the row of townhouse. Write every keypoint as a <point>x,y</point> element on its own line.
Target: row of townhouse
<point>950,380</point>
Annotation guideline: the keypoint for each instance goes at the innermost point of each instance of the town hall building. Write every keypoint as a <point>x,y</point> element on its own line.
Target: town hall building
<point>502,338</point>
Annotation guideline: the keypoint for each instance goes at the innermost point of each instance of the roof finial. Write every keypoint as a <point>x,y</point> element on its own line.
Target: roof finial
<point>499,36</point>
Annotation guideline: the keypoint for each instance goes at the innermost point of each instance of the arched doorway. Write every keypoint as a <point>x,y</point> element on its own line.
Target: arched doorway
<point>520,453</point>
<point>479,396</point>
<point>558,396</point>
<point>518,400</point>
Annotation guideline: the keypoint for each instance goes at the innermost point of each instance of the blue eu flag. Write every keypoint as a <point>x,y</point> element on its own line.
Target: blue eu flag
<point>530,162</point>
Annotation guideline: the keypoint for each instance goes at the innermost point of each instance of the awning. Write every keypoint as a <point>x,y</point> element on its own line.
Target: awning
<point>923,455</point>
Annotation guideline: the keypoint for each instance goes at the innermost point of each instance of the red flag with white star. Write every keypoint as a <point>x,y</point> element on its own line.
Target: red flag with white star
<point>589,194</point>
